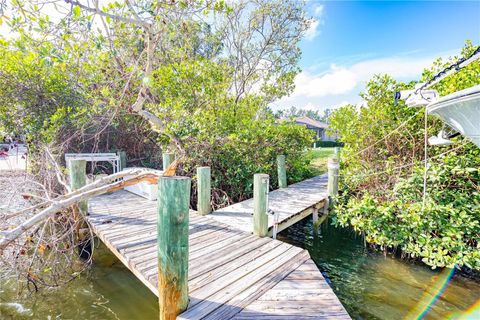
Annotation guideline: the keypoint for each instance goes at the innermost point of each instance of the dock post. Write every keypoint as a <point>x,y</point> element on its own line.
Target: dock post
<point>282,171</point>
<point>333,168</point>
<point>123,160</point>
<point>172,243</point>
<point>167,158</point>
<point>337,153</point>
<point>204,191</point>
<point>260,206</point>
<point>77,170</point>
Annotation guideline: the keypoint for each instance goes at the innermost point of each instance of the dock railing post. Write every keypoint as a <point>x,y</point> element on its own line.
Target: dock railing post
<point>172,243</point>
<point>282,171</point>
<point>204,190</point>
<point>167,158</point>
<point>260,204</point>
<point>77,170</point>
<point>333,169</point>
<point>123,159</point>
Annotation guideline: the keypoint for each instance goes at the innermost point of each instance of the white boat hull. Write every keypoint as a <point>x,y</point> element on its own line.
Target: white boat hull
<point>461,111</point>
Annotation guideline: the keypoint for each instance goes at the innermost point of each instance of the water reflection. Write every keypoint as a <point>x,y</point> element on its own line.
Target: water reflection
<point>374,286</point>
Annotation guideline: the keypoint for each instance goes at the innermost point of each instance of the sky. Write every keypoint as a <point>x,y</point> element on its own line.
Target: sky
<point>350,41</point>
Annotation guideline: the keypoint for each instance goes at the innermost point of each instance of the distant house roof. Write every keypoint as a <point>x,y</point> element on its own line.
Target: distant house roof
<point>311,123</point>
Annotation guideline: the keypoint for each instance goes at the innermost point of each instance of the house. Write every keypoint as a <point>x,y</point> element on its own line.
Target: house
<point>317,126</point>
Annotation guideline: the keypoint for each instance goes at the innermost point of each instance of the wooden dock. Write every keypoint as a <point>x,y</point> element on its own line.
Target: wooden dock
<point>292,204</point>
<point>232,273</point>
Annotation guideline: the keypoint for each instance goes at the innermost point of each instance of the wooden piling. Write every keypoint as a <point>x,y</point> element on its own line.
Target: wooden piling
<point>260,203</point>
<point>167,158</point>
<point>282,171</point>
<point>337,153</point>
<point>172,244</point>
<point>204,191</point>
<point>123,159</point>
<point>77,170</point>
<point>333,169</point>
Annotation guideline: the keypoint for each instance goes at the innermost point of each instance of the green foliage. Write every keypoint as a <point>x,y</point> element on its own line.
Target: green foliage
<point>319,158</point>
<point>38,97</point>
<point>383,175</point>
<point>235,138</point>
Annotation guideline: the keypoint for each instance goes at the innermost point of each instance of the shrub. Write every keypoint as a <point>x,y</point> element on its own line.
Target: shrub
<point>328,144</point>
<point>382,176</point>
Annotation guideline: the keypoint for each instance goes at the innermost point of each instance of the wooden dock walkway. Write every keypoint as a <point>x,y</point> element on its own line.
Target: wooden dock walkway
<point>292,204</point>
<point>232,273</point>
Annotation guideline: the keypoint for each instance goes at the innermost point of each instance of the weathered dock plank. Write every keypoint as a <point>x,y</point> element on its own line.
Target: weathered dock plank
<point>292,204</point>
<point>232,274</point>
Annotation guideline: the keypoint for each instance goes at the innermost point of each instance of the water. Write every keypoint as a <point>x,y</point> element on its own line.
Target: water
<point>108,291</point>
<point>374,286</point>
<point>369,284</point>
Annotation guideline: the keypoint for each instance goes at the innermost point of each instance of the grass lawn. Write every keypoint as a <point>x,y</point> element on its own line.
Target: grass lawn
<point>319,159</point>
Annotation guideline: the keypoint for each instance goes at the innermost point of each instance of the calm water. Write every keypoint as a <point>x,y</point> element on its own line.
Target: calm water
<point>108,291</point>
<point>370,285</point>
<point>373,286</point>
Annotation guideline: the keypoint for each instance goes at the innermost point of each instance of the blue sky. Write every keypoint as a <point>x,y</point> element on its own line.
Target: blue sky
<point>350,41</point>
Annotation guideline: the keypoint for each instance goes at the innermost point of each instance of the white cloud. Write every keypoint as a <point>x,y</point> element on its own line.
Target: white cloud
<point>339,80</point>
<point>341,84</point>
<point>318,10</point>
<point>312,31</point>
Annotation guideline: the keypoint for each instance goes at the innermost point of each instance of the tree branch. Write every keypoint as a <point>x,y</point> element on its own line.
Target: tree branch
<point>106,14</point>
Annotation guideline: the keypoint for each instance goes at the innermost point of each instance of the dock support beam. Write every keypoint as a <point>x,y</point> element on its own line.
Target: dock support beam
<point>260,204</point>
<point>77,170</point>
<point>172,244</point>
<point>282,171</point>
<point>167,158</point>
<point>333,169</point>
<point>123,159</point>
<point>204,190</point>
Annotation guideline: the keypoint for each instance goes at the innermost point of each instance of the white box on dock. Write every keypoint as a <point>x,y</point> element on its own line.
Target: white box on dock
<point>143,189</point>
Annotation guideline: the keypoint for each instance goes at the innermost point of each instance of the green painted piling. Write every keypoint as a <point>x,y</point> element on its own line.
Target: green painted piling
<point>333,169</point>
<point>172,243</point>
<point>77,170</point>
<point>123,159</point>
<point>260,200</point>
<point>282,171</point>
<point>167,158</point>
<point>204,190</point>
